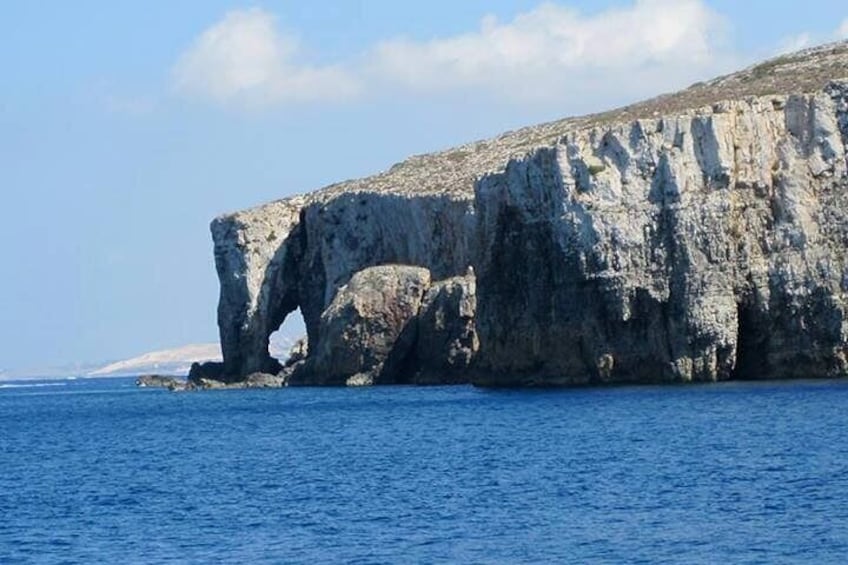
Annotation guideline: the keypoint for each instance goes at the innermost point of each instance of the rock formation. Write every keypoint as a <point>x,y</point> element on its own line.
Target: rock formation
<point>391,325</point>
<point>698,236</point>
<point>369,324</point>
<point>446,340</point>
<point>160,381</point>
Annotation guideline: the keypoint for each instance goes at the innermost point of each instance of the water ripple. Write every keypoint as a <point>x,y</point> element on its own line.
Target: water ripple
<point>99,471</point>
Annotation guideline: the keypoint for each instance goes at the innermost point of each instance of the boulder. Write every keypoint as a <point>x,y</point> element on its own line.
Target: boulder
<point>160,381</point>
<point>369,329</point>
<point>263,380</point>
<point>210,370</point>
<point>447,338</point>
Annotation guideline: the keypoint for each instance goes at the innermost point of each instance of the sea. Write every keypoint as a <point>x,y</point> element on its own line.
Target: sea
<point>100,471</point>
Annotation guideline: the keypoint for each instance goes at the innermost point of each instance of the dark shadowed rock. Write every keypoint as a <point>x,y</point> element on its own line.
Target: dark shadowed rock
<point>206,371</point>
<point>447,338</point>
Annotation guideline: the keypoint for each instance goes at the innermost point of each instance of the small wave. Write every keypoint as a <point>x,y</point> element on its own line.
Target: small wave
<point>30,385</point>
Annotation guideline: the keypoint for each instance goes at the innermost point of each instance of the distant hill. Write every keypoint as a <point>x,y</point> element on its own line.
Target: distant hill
<point>177,361</point>
<point>169,361</point>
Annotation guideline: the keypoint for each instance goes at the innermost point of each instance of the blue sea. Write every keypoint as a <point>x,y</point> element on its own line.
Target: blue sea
<point>101,471</point>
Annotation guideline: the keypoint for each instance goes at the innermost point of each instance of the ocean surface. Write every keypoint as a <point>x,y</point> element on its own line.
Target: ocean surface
<point>101,471</point>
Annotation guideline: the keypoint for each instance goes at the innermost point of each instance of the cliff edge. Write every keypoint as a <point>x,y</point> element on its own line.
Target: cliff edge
<point>696,236</point>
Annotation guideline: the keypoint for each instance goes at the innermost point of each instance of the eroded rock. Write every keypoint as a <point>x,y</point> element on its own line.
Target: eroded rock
<point>210,370</point>
<point>368,330</point>
<point>695,237</point>
<point>711,246</point>
<point>447,338</point>
<point>160,381</point>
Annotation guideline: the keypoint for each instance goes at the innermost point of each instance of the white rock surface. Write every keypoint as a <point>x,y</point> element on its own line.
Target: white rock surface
<point>695,236</point>
<point>703,246</point>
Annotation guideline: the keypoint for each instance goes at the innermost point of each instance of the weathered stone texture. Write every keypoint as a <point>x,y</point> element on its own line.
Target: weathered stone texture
<point>694,237</point>
<point>370,324</point>
<point>447,337</point>
<point>705,246</point>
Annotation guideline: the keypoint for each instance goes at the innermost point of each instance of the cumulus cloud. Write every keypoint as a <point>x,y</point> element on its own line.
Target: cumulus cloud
<point>558,39</point>
<point>842,32</point>
<point>552,51</point>
<point>245,58</point>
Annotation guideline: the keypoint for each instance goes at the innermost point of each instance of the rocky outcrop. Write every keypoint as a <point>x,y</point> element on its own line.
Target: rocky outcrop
<point>391,325</point>
<point>263,380</point>
<point>265,278</point>
<point>209,371</point>
<point>700,247</point>
<point>160,381</point>
<point>257,253</point>
<point>369,329</point>
<point>694,237</point>
<point>447,336</point>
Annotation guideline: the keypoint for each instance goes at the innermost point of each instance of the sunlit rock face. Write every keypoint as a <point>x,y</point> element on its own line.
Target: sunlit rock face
<point>368,327</point>
<point>316,250</point>
<point>701,247</point>
<point>694,237</point>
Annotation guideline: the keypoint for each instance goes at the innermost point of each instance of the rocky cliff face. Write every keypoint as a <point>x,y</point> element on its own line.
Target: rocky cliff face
<point>698,236</point>
<point>298,253</point>
<point>703,246</point>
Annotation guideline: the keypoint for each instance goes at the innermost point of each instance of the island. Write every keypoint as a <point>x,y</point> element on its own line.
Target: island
<point>697,236</point>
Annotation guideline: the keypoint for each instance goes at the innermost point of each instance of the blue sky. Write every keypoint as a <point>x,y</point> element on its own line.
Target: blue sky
<point>125,127</point>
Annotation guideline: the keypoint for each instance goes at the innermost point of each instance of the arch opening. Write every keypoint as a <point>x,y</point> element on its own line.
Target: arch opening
<point>291,331</point>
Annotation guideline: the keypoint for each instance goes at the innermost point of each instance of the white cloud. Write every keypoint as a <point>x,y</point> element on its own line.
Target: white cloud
<point>552,52</point>
<point>244,58</point>
<point>556,39</point>
<point>842,32</point>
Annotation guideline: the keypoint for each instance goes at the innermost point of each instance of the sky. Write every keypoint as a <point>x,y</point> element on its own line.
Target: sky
<point>125,127</point>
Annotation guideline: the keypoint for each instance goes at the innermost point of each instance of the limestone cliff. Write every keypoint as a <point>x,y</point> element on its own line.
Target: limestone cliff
<point>697,236</point>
